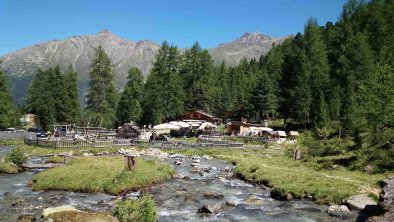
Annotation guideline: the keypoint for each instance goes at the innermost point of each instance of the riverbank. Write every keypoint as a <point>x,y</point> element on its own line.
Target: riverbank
<point>8,168</point>
<point>102,174</point>
<point>289,178</point>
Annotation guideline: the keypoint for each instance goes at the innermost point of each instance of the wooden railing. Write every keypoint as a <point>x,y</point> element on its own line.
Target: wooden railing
<point>67,144</point>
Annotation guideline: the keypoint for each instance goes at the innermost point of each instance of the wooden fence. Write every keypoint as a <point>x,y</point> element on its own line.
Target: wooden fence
<point>66,144</point>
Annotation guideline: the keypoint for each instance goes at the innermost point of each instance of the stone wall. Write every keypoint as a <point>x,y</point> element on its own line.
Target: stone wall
<point>15,135</point>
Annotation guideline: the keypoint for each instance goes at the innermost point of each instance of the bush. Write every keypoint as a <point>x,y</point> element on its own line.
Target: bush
<point>378,158</point>
<point>17,157</point>
<point>329,147</point>
<point>142,210</point>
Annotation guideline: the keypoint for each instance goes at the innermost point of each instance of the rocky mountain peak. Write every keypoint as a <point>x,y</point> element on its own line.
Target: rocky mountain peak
<point>253,37</point>
<point>105,32</point>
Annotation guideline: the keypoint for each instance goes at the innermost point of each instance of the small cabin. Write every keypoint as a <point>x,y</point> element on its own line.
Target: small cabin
<point>293,135</point>
<point>199,116</point>
<point>239,128</point>
<point>128,131</point>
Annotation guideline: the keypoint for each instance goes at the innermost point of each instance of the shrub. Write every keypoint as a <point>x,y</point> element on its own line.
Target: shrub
<point>379,158</point>
<point>143,210</point>
<point>17,157</point>
<point>329,147</point>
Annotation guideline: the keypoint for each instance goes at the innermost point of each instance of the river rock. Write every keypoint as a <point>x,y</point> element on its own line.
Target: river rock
<point>195,161</point>
<point>210,195</point>
<point>178,162</point>
<point>254,200</point>
<point>87,154</point>
<point>195,165</point>
<point>227,169</point>
<point>205,157</point>
<point>361,202</point>
<point>386,200</point>
<point>26,218</point>
<point>209,209</point>
<point>340,211</point>
<point>52,210</point>
<point>66,153</point>
<point>153,152</point>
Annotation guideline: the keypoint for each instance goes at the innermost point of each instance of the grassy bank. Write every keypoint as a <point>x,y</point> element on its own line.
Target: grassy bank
<point>11,142</point>
<point>102,174</point>
<point>7,167</point>
<point>275,169</point>
<point>38,151</point>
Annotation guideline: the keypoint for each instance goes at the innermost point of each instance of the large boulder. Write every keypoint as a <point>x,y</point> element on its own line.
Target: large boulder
<point>63,208</point>
<point>386,200</point>
<point>340,211</point>
<point>361,202</point>
<point>209,209</point>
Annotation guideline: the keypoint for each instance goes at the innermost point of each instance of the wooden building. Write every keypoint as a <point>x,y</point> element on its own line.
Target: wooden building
<point>128,131</point>
<point>200,116</point>
<point>238,127</point>
<point>293,135</point>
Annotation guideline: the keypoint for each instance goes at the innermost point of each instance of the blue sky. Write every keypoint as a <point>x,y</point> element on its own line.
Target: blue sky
<point>181,22</point>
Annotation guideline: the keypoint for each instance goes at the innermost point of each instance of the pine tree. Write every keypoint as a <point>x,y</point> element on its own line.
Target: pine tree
<point>264,98</point>
<point>129,107</point>
<point>163,91</point>
<point>102,95</point>
<point>72,107</point>
<point>58,88</point>
<point>318,69</point>
<point>323,117</point>
<point>7,113</point>
<point>197,71</point>
<point>220,91</point>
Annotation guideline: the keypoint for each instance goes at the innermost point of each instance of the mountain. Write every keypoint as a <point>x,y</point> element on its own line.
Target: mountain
<point>249,45</point>
<point>21,65</point>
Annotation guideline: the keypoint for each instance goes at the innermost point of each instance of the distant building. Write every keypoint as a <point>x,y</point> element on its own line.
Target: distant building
<point>239,127</point>
<point>128,131</point>
<point>293,135</point>
<point>200,116</point>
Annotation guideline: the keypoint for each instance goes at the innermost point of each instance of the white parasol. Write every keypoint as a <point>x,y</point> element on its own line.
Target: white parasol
<point>166,126</point>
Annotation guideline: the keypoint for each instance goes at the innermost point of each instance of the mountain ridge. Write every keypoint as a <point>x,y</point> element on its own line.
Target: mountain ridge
<point>78,50</point>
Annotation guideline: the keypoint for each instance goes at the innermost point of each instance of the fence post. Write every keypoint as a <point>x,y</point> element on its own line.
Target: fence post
<point>129,161</point>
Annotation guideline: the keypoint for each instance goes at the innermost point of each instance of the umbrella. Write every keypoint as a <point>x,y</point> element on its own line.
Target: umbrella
<point>206,124</point>
<point>180,123</point>
<point>166,126</point>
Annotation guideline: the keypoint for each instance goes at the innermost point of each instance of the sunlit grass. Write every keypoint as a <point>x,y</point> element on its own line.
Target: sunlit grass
<point>102,174</point>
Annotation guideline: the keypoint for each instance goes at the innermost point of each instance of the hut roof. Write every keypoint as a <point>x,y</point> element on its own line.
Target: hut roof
<point>294,133</point>
<point>281,133</point>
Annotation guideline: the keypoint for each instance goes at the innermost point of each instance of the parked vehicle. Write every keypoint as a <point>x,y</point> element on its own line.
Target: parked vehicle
<point>40,132</point>
<point>11,130</point>
<point>61,132</point>
<point>20,130</point>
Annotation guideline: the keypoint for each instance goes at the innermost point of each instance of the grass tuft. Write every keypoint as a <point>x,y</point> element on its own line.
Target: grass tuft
<point>7,167</point>
<point>72,216</point>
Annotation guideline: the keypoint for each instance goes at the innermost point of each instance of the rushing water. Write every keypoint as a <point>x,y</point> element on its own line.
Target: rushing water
<point>177,200</point>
